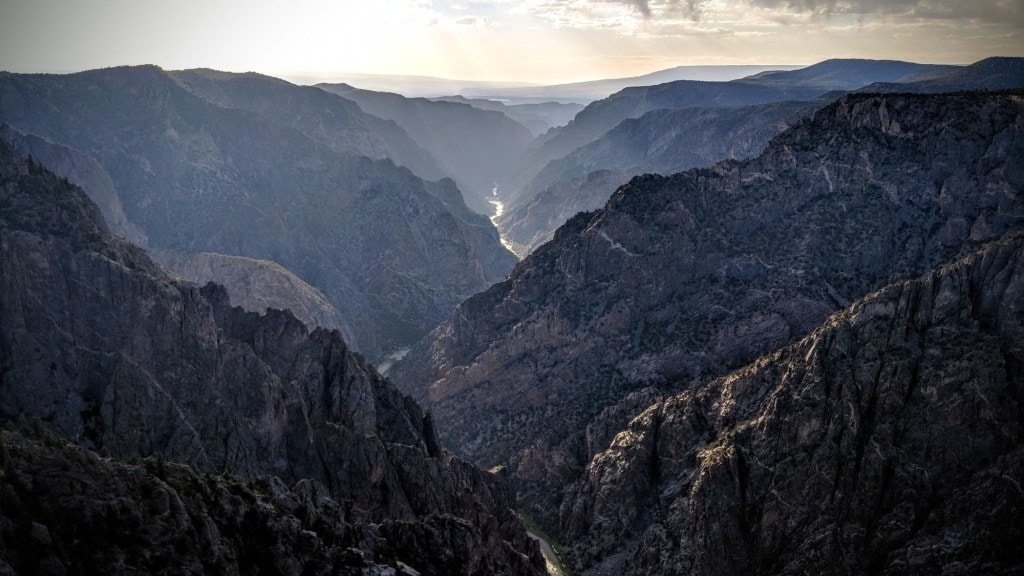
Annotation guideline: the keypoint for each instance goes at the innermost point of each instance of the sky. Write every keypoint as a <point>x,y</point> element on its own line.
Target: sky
<point>537,41</point>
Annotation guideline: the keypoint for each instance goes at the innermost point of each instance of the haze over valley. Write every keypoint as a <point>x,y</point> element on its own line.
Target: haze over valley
<point>593,288</point>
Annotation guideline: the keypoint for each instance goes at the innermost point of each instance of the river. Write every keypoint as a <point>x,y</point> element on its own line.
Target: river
<point>499,209</point>
<point>550,556</point>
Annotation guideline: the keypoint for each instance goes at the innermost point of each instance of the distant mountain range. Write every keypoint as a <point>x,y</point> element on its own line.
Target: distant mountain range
<point>538,118</point>
<point>633,132</point>
<point>526,93</point>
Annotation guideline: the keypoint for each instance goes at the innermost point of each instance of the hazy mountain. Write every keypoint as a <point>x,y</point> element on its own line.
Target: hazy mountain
<point>104,349</point>
<point>681,279</point>
<point>660,141</point>
<point>391,252</point>
<point>665,141</point>
<point>589,91</point>
<point>332,121</point>
<point>775,86</point>
<point>997,73</point>
<point>845,74</point>
<point>603,115</point>
<point>531,93</point>
<point>538,118</point>
<point>477,147</point>
<point>415,86</point>
<point>864,446</point>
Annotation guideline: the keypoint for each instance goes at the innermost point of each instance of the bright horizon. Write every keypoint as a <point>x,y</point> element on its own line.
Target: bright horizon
<point>527,41</point>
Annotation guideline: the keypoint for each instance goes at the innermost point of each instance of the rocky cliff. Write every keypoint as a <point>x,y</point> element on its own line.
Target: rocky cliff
<point>681,279</point>
<point>888,441</point>
<point>392,252</point>
<point>83,171</point>
<point>106,350</point>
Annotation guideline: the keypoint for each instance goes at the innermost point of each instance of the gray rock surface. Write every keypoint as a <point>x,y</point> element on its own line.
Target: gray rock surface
<point>681,279</point>
<point>888,441</point>
<point>257,285</point>
<point>105,349</point>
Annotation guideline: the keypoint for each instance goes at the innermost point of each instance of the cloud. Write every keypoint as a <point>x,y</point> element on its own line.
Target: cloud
<point>993,11</point>
<point>600,13</point>
<point>643,7</point>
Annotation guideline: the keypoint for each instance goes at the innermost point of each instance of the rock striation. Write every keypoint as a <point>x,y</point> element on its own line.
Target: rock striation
<point>681,279</point>
<point>888,441</point>
<point>108,351</point>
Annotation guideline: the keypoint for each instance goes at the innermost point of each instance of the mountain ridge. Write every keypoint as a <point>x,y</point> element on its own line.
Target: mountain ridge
<point>680,279</point>
<point>198,177</point>
<point>840,429</point>
<point>105,349</point>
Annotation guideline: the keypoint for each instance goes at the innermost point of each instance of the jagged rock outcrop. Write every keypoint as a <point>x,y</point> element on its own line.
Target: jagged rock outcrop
<point>257,285</point>
<point>83,171</point>
<point>65,509</point>
<point>392,252</point>
<point>888,441</point>
<point>108,351</point>
<point>681,279</point>
<point>661,142</point>
<point>477,147</point>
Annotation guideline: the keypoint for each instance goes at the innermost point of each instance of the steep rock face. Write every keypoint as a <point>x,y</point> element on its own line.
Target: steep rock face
<point>106,350</point>
<point>81,170</point>
<point>257,285</point>
<point>888,441</point>
<point>661,141</point>
<point>393,253</point>
<point>527,226</point>
<point>478,147</point>
<point>680,279</point>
